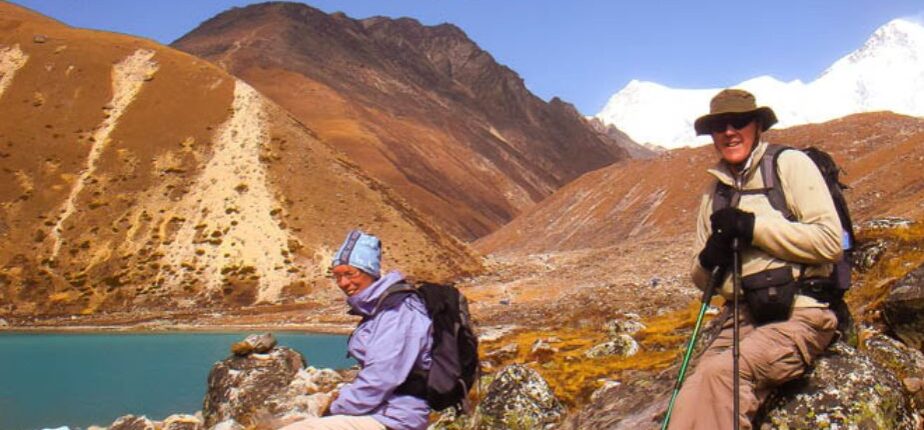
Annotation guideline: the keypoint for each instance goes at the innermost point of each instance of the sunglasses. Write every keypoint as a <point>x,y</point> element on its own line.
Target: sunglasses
<point>737,122</point>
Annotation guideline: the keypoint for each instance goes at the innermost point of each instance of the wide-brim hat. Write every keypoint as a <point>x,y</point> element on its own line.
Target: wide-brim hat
<point>733,102</point>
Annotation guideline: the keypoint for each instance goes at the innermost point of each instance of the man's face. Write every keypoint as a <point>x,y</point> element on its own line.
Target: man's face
<point>734,137</point>
<point>350,279</point>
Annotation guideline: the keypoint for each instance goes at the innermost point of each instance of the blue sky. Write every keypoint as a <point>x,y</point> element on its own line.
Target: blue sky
<point>580,50</point>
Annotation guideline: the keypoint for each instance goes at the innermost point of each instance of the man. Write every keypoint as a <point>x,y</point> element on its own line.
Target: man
<point>388,344</point>
<point>778,340</point>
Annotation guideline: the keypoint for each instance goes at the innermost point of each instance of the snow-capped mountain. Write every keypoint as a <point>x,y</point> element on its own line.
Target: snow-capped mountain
<point>886,73</point>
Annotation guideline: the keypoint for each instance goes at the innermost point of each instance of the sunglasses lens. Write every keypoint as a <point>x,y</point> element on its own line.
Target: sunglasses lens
<point>737,122</point>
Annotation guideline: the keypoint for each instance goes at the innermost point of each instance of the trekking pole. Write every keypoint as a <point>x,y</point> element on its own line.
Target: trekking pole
<point>716,278</point>
<point>736,286</point>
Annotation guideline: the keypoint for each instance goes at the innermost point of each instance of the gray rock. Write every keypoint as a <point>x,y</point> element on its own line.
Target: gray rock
<point>905,363</point>
<point>903,309</point>
<point>616,327</point>
<point>846,389</point>
<point>183,422</point>
<point>887,223</point>
<point>867,254</point>
<point>244,387</point>
<point>518,398</point>
<point>255,343</point>
<point>131,422</point>
<point>622,345</point>
<point>39,38</point>
<point>542,350</point>
<point>506,352</point>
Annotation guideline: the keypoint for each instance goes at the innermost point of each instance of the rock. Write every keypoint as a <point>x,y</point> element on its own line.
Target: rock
<point>846,389</point>
<point>636,403</point>
<point>518,398</point>
<point>541,350</point>
<point>240,387</point>
<point>905,363</point>
<point>255,343</point>
<point>607,386</point>
<point>903,309</point>
<point>227,425</point>
<point>39,38</point>
<point>4,323</point>
<point>622,345</point>
<point>183,422</point>
<point>507,352</point>
<point>867,254</point>
<point>887,223</point>
<point>131,422</point>
<point>616,327</point>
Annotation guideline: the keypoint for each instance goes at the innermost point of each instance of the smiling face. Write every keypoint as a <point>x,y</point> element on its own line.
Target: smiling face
<point>734,138</point>
<point>350,279</point>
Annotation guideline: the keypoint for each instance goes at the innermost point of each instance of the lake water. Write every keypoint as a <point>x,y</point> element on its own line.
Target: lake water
<point>76,380</point>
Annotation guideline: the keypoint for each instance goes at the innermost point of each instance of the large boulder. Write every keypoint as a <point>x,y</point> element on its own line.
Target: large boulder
<point>905,363</point>
<point>846,389</point>
<point>904,309</point>
<point>518,398</point>
<point>249,389</point>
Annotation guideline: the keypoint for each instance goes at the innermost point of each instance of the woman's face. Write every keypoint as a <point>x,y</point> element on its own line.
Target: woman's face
<point>350,279</point>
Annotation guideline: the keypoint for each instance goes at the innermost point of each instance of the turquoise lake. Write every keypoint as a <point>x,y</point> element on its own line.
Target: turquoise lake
<point>77,380</point>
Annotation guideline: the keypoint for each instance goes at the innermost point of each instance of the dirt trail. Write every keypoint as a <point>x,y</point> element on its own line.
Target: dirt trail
<point>128,76</point>
<point>11,60</point>
<point>230,212</point>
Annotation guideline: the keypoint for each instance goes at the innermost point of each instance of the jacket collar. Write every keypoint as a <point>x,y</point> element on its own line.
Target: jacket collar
<point>722,171</point>
<point>363,302</point>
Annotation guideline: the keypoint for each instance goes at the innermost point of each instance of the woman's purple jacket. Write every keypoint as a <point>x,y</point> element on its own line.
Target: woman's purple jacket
<point>387,346</point>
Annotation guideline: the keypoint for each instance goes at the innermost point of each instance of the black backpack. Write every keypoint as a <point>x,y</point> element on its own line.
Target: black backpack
<point>455,365</point>
<point>725,196</point>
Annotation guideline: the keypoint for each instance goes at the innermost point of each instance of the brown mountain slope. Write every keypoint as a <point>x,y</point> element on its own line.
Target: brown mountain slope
<point>133,176</point>
<point>881,152</point>
<point>424,109</point>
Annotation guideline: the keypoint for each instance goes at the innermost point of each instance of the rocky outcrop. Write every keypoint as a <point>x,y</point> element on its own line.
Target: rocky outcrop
<point>518,398</point>
<point>903,309</point>
<point>263,383</point>
<point>131,422</point>
<point>845,390</point>
<point>905,363</point>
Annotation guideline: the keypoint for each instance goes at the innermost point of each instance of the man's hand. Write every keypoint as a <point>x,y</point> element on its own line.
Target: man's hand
<point>731,223</point>
<point>717,252</point>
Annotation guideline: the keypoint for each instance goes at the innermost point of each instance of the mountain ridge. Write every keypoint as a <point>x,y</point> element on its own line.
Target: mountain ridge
<point>886,73</point>
<point>422,108</point>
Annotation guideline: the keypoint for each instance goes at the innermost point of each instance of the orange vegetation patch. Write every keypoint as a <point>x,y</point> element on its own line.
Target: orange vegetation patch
<point>574,377</point>
<point>904,252</point>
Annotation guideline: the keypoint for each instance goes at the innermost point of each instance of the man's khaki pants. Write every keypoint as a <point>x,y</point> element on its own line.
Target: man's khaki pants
<point>770,355</point>
<point>336,422</point>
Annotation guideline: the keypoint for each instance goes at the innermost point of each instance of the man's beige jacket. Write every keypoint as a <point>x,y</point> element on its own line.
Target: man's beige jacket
<point>812,242</point>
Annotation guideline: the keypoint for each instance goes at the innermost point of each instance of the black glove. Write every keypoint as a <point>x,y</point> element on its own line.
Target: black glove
<point>717,252</point>
<point>730,223</point>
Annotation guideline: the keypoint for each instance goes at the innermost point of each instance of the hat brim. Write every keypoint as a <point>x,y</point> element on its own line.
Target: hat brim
<point>766,115</point>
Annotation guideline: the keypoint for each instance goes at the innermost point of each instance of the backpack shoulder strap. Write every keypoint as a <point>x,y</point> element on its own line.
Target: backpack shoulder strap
<point>770,173</point>
<point>393,295</point>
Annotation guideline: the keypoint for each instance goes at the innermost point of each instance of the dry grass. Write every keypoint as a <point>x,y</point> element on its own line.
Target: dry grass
<point>904,252</point>
<point>574,377</point>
